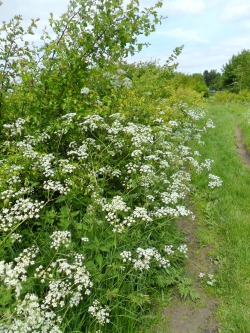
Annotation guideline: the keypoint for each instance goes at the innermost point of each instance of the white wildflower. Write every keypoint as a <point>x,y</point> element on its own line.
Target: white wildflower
<point>100,313</point>
<point>211,280</point>
<point>214,181</point>
<point>183,248</point>
<point>85,91</point>
<point>60,238</point>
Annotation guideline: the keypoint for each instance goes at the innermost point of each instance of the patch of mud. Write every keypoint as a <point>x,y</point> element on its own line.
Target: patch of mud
<point>186,316</point>
<point>242,148</point>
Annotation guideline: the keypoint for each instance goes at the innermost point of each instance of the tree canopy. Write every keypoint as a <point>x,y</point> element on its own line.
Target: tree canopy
<point>236,73</point>
<point>213,79</point>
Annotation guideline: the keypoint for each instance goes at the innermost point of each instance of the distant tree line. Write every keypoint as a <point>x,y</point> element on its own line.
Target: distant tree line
<point>234,77</point>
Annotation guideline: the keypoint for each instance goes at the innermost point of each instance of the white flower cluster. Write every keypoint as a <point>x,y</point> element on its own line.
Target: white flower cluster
<point>31,318</point>
<point>14,274</point>
<point>67,120</point>
<point>85,239</point>
<point>22,210</point>
<point>131,168</point>
<point>118,80</point>
<point>92,122</point>
<point>144,258</point>
<point>100,313</point>
<point>126,256</point>
<point>27,150</point>
<point>15,237</point>
<point>136,153</point>
<point>69,117</point>
<point>57,186</point>
<point>113,209</point>
<point>173,123</point>
<point>60,238</point>
<point>210,124</point>
<point>141,135</point>
<point>183,249</point>
<point>193,113</point>
<point>13,193</point>
<point>71,282</point>
<point>14,180</point>
<point>176,212</point>
<point>85,91</point>
<point>169,249</point>
<point>7,194</point>
<point>210,278</point>
<point>207,164</point>
<point>15,128</point>
<point>141,214</point>
<point>44,163</point>
<point>66,167</point>
<point>214,181</point>
<point>171,197</point>
<point>81,152</point>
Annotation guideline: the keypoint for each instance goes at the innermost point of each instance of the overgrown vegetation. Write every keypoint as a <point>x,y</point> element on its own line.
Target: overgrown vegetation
<point>97,159</point>
<point>94,156</point>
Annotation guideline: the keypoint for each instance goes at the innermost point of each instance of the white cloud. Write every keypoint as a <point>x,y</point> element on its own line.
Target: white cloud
<point>32,9</point>
<point>238,42</point>
<point>235,12</point>
<point>184,35</point>
<point>193,7</point>
<point>199,61</point>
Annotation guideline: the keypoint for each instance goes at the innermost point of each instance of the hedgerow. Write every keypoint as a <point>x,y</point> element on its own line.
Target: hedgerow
<point>94,172</point>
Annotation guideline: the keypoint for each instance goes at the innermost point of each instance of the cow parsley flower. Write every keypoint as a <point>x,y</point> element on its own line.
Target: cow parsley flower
<point>215,181</point>
<point>100,313</point>
<point>60,238</point>
<point>85,91</point>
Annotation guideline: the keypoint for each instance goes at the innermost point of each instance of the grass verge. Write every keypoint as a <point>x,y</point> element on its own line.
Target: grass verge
<point>226,215</point>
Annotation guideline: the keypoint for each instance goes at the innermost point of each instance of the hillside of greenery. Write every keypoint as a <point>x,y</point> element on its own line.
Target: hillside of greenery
<point>96,165</point>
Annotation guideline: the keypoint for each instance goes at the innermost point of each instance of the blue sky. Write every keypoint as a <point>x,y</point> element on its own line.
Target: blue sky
<point>210,30</point>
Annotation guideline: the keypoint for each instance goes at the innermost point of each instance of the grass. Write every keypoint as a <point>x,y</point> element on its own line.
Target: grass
<point>226,213</point>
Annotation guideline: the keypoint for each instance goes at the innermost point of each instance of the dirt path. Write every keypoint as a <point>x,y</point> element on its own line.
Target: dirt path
<point>242,149</point>
<point>186,316</point>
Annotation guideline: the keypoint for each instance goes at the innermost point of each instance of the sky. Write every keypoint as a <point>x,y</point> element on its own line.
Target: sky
<point>212,31</point>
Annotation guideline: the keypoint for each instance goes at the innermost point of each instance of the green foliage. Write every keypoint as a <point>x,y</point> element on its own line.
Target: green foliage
<point>227,220</point>
<point>86,38</point>
<point>93,160</point>
<point>213,79</point>
<point>236,73</point>
<point>186,289</point>
<point>85,189</point>
<point>195,82</point>
<point>243,97</point>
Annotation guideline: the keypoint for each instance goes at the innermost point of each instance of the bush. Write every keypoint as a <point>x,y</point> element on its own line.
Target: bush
<point>93,174</point>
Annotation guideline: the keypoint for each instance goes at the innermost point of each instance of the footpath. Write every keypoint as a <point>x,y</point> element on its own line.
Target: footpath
<point>219,239</point>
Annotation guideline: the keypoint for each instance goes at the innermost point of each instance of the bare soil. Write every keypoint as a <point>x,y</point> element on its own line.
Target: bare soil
<point>242,148</point>
<point>186,316</point>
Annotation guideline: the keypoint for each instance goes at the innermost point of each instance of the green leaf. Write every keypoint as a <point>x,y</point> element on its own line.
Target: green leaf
<point>99,259</point>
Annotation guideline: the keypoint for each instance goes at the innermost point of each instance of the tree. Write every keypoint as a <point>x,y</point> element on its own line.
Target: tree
<point>90,35</point>
<point>194,81</point>
<point>236,73</point>
<point>213,79</point>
